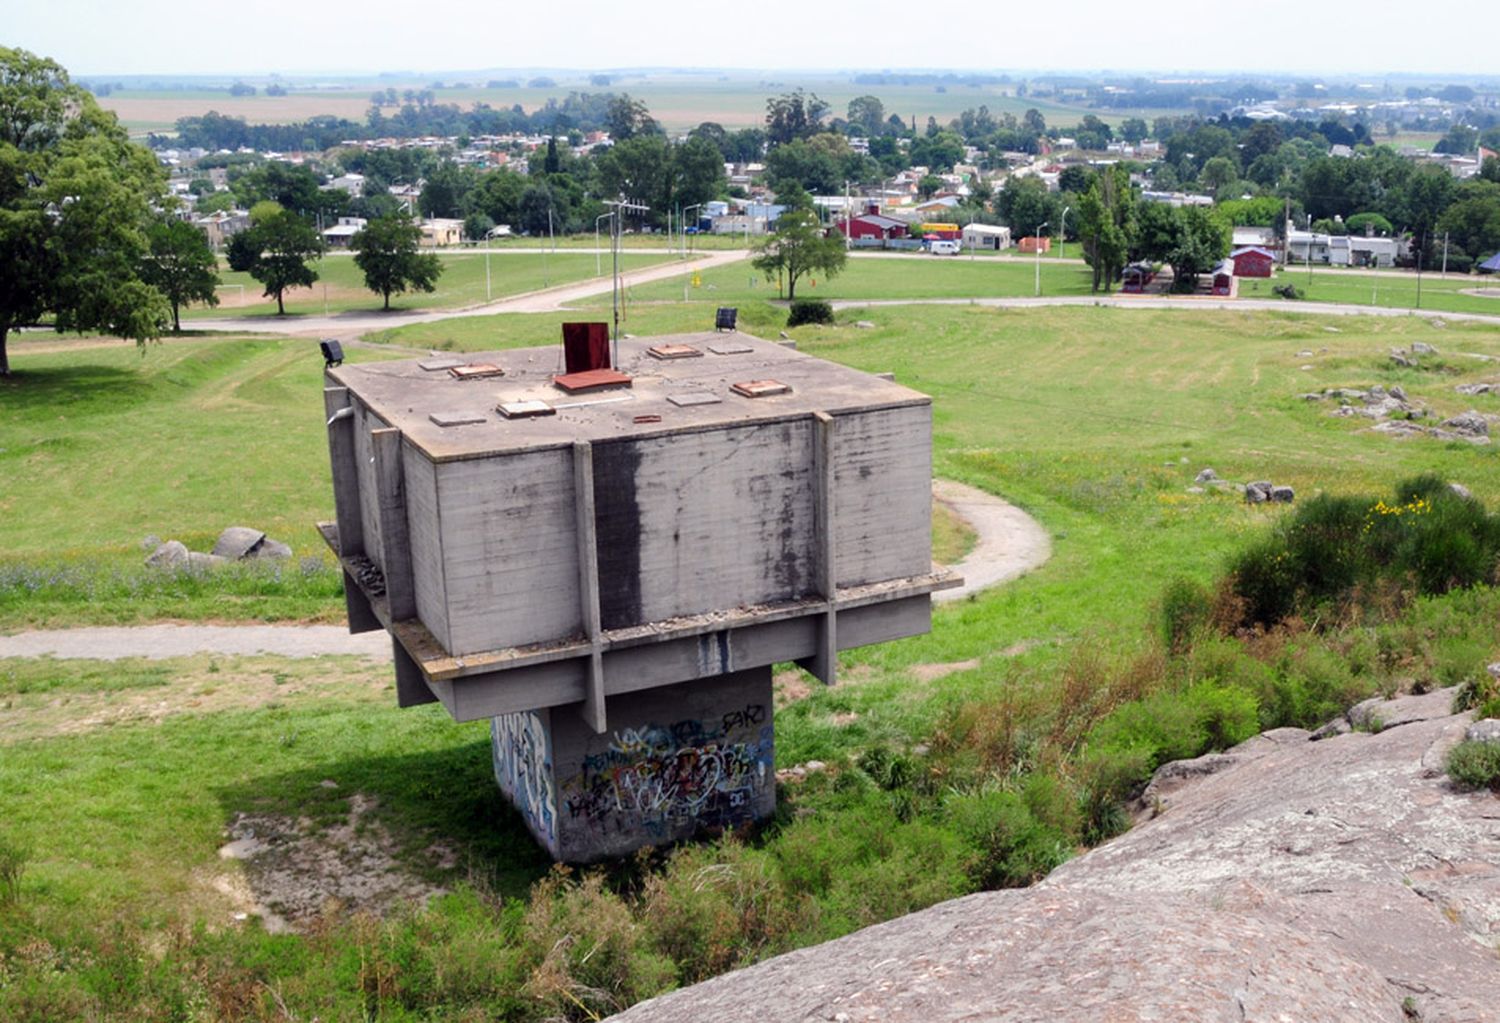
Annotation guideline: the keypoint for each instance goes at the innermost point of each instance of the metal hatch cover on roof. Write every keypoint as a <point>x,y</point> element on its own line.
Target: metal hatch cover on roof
<point>760,388</point>
<point>694,398</point>
<point>525,409</point>
<point>431,365</point>
<point>674,351</point>
<point>591,380</point>
<point>730,349</point>
<point>476,371</point>
<point>455,418</point>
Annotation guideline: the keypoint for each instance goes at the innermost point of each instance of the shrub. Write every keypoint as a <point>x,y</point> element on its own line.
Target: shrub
<point>1289,291</point>
<point>1185,608</point>
<point>809,310</point>
<point>1337,550</point>
<point>1475,765</point>
<point>13,860</point>
<point>1014,848</point>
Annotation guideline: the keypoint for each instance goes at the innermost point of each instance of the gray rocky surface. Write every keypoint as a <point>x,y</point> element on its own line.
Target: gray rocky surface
<point>1487,730</point>
<point>237,542</point>
<point>171,554</point>
<point>1283,880</point>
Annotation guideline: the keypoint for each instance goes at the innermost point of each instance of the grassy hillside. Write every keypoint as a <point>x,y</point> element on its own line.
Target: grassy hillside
<point>977,756</point>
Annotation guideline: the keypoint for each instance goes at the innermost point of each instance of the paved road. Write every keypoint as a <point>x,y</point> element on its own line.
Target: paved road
<point>1184,302</point>
<point>1010,543</point>
<point>351,325</point>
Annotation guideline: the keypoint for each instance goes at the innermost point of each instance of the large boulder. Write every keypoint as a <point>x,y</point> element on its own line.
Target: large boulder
<point>237,542</point>
<point>1345,879</point>
<point>172,554</point>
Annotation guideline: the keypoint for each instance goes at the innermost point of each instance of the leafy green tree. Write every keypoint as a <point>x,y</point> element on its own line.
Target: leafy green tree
<point>1133,130</point>
<point>387,251</point>
<point>284,244</point>
<point>1106,223</point>
<point>867,114</point>
<point>812,167</point>
<point>699,169</point>
<point>1025,204</point>
<point>799,248</point>
<point>498,195</point>
<point>626,118</point>
<point>928,186</point>
<point>1202,241</point>
<point>795,115</point>
<point>640,169</point>
<point>447,191</point>
<point>1460,139</point>
<point>75,202</point>
<point>180,265</point>
<point>939,152</point>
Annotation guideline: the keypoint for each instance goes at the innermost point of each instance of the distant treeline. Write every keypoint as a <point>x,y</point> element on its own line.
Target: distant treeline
<point>947,78</point>
<point>580,111</point>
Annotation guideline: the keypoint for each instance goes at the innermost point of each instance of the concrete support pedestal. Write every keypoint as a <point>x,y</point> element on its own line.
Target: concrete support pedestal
<point>674,759</point>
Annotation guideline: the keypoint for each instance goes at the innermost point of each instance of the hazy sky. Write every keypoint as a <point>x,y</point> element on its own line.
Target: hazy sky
<point>1370,37</point>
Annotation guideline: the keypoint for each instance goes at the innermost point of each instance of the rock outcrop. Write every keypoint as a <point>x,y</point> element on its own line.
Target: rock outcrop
<point>1286,879</point>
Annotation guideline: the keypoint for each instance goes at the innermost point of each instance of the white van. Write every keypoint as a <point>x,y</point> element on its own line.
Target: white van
<point>944,247</point>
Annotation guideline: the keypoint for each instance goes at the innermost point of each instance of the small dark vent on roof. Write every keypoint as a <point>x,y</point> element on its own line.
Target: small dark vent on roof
<point>476,371</point>
<point>674,352</point>
<point>725,318</point>
<point>585,346</point>
<point>760,388</point>
<point>525,409</point>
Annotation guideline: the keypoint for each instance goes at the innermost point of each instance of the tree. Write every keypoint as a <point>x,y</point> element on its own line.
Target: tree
<point>75,202</point>
<point>799,248</point>
<point>795,115</point>
<point>284,243</point>
<point>639,169</point>
<point>1202,241</point>
<point>699,169</point>
<point>1106,223</point>
<point>180,265</point>
<point>387,251</point>
<point>867,114</point>
<point>1133,130</point>
<point>1025,204</point>
<point>626,118</point>
<point>929,185</point>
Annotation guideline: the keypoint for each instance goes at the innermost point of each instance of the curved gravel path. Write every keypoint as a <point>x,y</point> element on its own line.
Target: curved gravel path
<point>1010,543</point>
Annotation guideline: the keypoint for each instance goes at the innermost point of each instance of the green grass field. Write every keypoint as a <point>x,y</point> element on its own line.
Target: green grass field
<point>118,781</point>
<point>1392,289</point>
<point>876,278</point>
<point>461,284</point>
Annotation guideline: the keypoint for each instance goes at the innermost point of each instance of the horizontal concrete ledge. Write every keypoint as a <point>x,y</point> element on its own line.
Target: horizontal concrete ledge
<point>655,654</point>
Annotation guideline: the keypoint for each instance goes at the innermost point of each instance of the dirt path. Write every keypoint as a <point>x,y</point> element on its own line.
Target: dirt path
<point>352,324</point>
<point>1009,544</point>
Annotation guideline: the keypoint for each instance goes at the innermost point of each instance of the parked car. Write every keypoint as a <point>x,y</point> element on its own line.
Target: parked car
<point>944,247</point>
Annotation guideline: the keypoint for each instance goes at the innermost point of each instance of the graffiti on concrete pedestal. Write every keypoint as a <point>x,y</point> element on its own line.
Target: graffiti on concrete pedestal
<point>523,769</point>
<point>671,779</point>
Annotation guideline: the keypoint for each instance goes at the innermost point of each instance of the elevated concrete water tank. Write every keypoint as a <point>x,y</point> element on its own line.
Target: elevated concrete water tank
<point>609,570</point>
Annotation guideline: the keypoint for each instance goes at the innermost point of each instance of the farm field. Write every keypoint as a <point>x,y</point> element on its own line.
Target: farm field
<point>120,782</point>
<point>341,284</point>
<point>679,102</point>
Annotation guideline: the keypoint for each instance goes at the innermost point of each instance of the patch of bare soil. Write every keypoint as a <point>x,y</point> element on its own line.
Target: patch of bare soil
<point>933,672</point>
<point>204,686</point>
<point>294,872</point>
<point>1480,292</point>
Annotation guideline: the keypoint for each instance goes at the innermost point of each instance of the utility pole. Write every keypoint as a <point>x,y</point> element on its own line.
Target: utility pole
<point>1445,255</point>
<point>1421,244</point>
<point>1038,239</point>
<point>615,289</point>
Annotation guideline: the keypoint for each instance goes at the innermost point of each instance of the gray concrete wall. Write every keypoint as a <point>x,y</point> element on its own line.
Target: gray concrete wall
<point>510,550</point>
<point>883,494</point>
<point>369,496</point>
<point>691,522</point>
<point>675,760</point>
<point>419,480</point>
<point>522,748</point>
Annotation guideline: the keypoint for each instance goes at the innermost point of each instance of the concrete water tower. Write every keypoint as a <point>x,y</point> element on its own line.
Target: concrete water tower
<point>605,556</point>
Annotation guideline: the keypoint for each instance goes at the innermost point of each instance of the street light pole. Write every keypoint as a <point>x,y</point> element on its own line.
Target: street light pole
<point>1038,239</point>
<point>1062,231</point>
